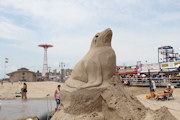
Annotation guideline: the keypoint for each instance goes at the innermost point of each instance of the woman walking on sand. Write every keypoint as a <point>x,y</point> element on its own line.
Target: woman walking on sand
<point>24,91</point>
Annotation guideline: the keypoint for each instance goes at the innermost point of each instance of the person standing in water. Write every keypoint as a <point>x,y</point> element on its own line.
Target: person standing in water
<point>57,97</point>
<point>24,91</point>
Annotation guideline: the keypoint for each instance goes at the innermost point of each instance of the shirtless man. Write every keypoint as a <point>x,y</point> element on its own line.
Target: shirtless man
<point>167,91</point>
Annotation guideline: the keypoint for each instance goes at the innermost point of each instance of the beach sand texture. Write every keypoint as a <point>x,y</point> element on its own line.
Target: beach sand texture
<point>172,105</point>
<point>36,90</point>
<point>39,90</point>
<point>110,101</point>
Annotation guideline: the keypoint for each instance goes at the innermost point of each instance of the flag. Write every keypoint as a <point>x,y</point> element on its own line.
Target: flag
<point>6,60</point>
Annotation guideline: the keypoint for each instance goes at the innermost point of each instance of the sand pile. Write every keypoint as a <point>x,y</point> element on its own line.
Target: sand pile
<point>107,102</point>
<point>163,114</point>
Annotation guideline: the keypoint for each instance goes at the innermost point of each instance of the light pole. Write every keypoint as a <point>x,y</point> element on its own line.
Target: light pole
<point>49,73</point>
<point>149,76</point>
<point>62,65</point>
<point>6,61</point>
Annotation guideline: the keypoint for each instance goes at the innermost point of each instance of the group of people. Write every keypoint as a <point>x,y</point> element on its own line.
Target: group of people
<point>146,76</point>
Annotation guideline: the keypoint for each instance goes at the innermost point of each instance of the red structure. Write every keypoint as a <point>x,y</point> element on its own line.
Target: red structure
<point>45,63</point>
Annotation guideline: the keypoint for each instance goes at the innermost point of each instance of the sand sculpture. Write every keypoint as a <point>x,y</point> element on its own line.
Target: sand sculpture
<point>97,101</point>
<point>98,65</point>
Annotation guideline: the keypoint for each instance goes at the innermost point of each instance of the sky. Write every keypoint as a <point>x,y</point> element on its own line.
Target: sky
<point>139,28</point>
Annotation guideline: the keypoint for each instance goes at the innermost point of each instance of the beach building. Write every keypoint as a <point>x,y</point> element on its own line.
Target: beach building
<point>66,72</point>
<point>22,74</point>
<point>62,75</point>
<point>123,70</point>
<point>167,68</point>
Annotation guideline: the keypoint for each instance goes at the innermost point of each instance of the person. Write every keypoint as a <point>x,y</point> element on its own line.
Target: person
<point>154,85</point>
<point>153,95</point>
<point>167,91</point>
<point>57,97</point>
<point>2,82</point>
<point>24,91</point>
<point>126,83</point>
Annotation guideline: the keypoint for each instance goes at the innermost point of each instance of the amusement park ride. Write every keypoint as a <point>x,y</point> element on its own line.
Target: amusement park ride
<point>45,74</point>
<point>167,54</point>
<point>168,60</point>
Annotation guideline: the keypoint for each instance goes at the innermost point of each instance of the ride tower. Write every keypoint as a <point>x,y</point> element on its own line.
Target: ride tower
<point>45,73</point>
<point>166,54</point>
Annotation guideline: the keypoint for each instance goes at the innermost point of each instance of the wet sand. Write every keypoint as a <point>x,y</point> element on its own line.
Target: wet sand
<point>18,109</point>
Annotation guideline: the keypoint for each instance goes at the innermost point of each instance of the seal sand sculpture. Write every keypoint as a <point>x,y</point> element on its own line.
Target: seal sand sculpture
<point>98,65</point>
<point>103,96</point>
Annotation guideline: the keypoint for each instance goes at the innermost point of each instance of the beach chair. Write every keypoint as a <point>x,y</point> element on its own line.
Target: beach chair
<point>169,96</point>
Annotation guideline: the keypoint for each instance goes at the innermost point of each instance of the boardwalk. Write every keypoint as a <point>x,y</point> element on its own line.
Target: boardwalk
<point>160,82</point>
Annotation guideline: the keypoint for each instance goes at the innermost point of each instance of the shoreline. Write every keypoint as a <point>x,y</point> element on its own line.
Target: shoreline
<point>27,99</point>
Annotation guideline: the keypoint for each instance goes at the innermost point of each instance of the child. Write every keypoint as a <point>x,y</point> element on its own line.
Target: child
<point>153,95</point>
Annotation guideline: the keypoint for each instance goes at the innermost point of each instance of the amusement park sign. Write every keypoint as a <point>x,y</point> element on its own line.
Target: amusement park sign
<point>170,65</point>
<point>152,67</point>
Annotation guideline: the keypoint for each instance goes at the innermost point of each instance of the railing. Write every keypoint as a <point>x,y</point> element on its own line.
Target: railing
<point>175,81</point>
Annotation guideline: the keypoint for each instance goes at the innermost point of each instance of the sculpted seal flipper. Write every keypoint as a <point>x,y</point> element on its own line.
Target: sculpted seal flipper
<point>97,66</point>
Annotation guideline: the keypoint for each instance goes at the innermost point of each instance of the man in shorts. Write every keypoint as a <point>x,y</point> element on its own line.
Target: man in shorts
<point>57,97</point>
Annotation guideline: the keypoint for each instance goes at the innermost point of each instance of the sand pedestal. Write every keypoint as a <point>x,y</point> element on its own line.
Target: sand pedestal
<point>83,101</point>
<point>110,101</point>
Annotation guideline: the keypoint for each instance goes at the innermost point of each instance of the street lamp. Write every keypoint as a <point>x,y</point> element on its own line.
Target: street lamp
<point>62,65</point>
<point>149,76</point>
<point>49,73</point>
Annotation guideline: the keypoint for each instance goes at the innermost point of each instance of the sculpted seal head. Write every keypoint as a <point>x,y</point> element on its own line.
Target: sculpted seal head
<point>97,66</point>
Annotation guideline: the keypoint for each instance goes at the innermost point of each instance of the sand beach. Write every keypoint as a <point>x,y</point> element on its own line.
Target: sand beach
<point>172,105</point>
<point>39,90</point>
<point>36,90</point>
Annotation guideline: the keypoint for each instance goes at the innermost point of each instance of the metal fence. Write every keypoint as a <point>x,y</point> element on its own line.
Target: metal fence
<point>160,82</point>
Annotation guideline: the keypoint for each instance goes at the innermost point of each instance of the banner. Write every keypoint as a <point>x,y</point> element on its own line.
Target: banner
<point>138,67</point>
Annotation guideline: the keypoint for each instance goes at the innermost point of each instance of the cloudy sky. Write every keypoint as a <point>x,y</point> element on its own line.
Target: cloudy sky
<point>139,28</point>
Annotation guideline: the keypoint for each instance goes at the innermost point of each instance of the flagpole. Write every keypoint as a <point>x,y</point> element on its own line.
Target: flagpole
<point>6,61</point>
<point>4,68</point>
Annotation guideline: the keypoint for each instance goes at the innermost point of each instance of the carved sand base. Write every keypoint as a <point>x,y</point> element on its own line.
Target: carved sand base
<point>108,102</point>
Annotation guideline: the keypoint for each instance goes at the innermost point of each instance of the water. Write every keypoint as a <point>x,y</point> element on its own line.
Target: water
<point>18,109</point>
